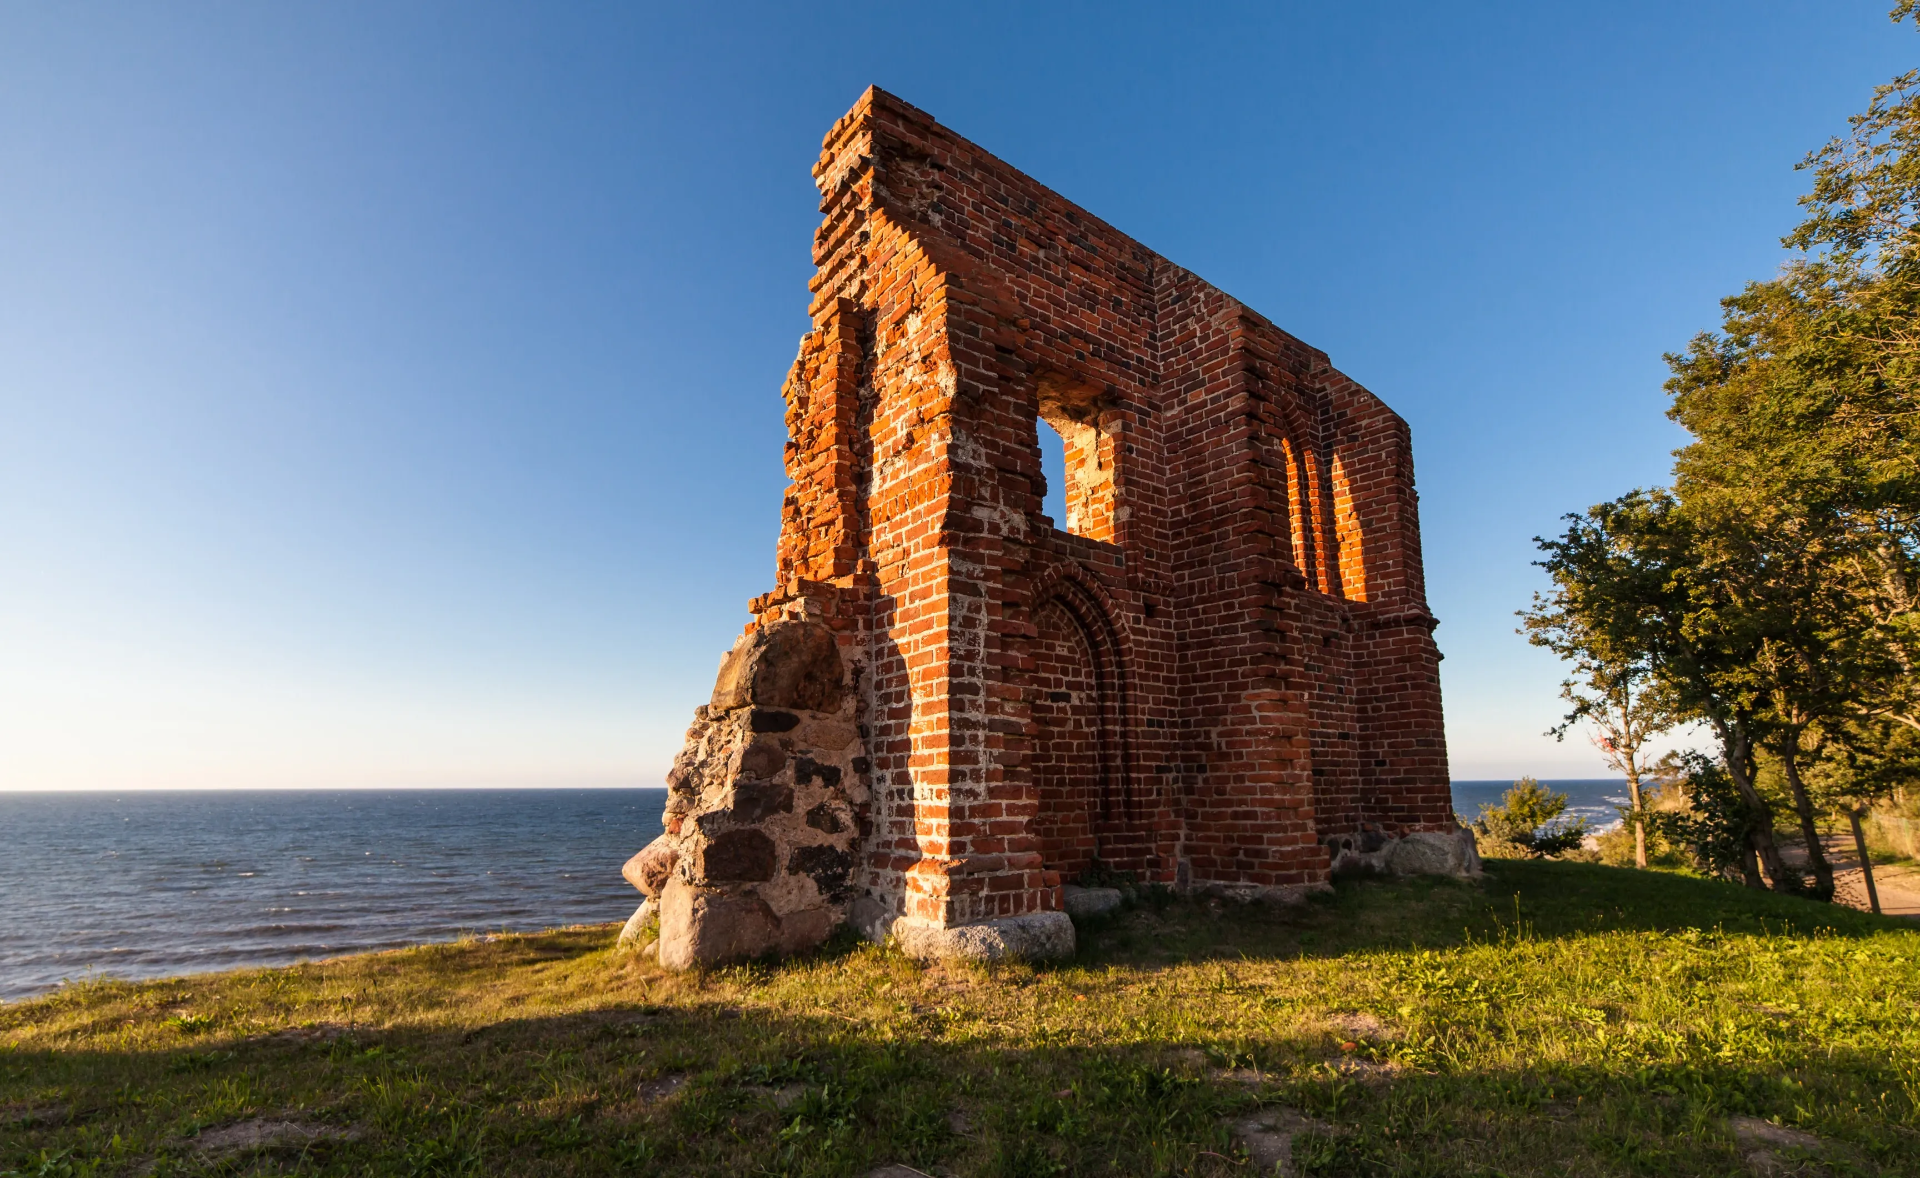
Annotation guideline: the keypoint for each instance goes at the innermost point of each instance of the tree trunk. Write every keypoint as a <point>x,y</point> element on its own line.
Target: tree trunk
<point>1866,864</point>
<point>1803,806</point>
<point>1639,823</point>
<point>1750,869</point>
<point>1734,743</point>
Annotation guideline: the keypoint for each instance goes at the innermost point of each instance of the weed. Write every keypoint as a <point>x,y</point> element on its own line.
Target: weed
<point>191,1024</point>
<point>454,1149</point>
<point>1026,1158</point>
<point>51,1164</point>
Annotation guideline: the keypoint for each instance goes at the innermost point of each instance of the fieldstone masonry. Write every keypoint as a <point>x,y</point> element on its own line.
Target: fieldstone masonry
<point>1219,675</point>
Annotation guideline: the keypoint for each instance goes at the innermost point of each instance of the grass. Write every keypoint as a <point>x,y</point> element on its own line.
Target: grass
<point>1554,1018</point>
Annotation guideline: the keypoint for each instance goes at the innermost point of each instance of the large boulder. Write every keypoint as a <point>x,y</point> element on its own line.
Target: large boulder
<point>1080,901</point>
<point>635,929</point>
<point>700,927</point>
<point>793,665</point>
<point>648,870</point>
<point>1434,853</point>
<point>1033,937</point>
<point>704,927</point>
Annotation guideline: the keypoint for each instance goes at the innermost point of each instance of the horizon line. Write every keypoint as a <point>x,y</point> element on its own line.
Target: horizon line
<point>155,789</point>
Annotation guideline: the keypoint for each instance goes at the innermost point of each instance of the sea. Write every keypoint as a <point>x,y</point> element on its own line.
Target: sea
<point>153,884</point>
<point>1597,801</point>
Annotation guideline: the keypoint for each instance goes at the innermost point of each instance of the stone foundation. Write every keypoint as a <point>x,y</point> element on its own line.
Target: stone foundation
<point>764,806</point>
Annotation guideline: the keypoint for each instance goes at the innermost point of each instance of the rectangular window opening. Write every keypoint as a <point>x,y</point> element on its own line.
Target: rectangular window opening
<point>1053,467</point>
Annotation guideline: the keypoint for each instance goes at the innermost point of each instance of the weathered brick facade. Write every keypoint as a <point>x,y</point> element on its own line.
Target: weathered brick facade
<point>1218,673</point>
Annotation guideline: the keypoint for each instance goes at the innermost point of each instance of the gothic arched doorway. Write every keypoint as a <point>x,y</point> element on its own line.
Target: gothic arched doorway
<point>1079,752</point>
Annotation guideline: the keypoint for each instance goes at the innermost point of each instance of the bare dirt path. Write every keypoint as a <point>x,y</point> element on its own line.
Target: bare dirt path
<point>1898,884</point>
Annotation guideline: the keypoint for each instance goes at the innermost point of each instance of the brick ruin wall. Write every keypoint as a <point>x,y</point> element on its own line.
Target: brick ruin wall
<point>1218,674</point>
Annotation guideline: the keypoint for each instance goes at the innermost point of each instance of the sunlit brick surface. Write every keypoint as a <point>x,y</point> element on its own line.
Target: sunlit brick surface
<point>1226,661</point>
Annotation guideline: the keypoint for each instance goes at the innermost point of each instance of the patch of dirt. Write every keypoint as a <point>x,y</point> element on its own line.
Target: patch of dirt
<point>783,1096</point>
<point>1754,1131</point>
<point>250,1136</point>
<point>1247,1076</point>
<point>661,1087</point>
<point>1371,1071</point>
<point>1267,1136</point>
<point>896,1170</point>
<point>950,978</point>
<point>317,1033</point>
<point>1368,1070</point>
<point>24,1115</point>
<point>1758,1139</point>
<point>958,1123</point>
<point>1898,884</point>
<point>1358,1024</point>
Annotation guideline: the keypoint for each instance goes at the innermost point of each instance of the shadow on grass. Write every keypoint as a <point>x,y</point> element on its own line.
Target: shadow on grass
<point>708,1089</point>
<point>806,1069</point>
<point>1540,900</point>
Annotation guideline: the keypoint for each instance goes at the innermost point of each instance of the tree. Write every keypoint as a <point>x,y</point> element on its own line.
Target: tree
<point>1805,461</point>
<point>1763,575</point>
<point>1635,580</point>
<point>1613,688</point>
<point>1774,591</point>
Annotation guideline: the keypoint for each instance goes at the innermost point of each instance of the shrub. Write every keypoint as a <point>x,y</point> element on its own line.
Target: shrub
<point>1714,824</point>
<point>1529,822</point>
<point>1665,800</point>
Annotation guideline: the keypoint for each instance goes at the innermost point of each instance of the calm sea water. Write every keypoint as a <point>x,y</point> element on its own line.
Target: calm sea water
<point>146,885</point>
<point>1594,800</point>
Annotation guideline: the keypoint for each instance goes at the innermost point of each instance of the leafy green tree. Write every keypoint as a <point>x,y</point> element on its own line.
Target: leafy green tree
<point>1774,592</point>
<point>1613,688</point>
<point>1641,575</point>
<point>1805,458</point>
<point>1761,586</point>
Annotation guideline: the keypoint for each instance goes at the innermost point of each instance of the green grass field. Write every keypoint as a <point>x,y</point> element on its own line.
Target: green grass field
<point>1551,1019</point>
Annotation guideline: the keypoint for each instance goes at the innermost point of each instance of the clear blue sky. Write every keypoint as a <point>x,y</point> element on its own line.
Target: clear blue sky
<point>389,394</point>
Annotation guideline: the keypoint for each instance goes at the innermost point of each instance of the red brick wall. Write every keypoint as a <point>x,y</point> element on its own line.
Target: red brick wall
<point>1071,759</point>
<point>1237,620</point>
